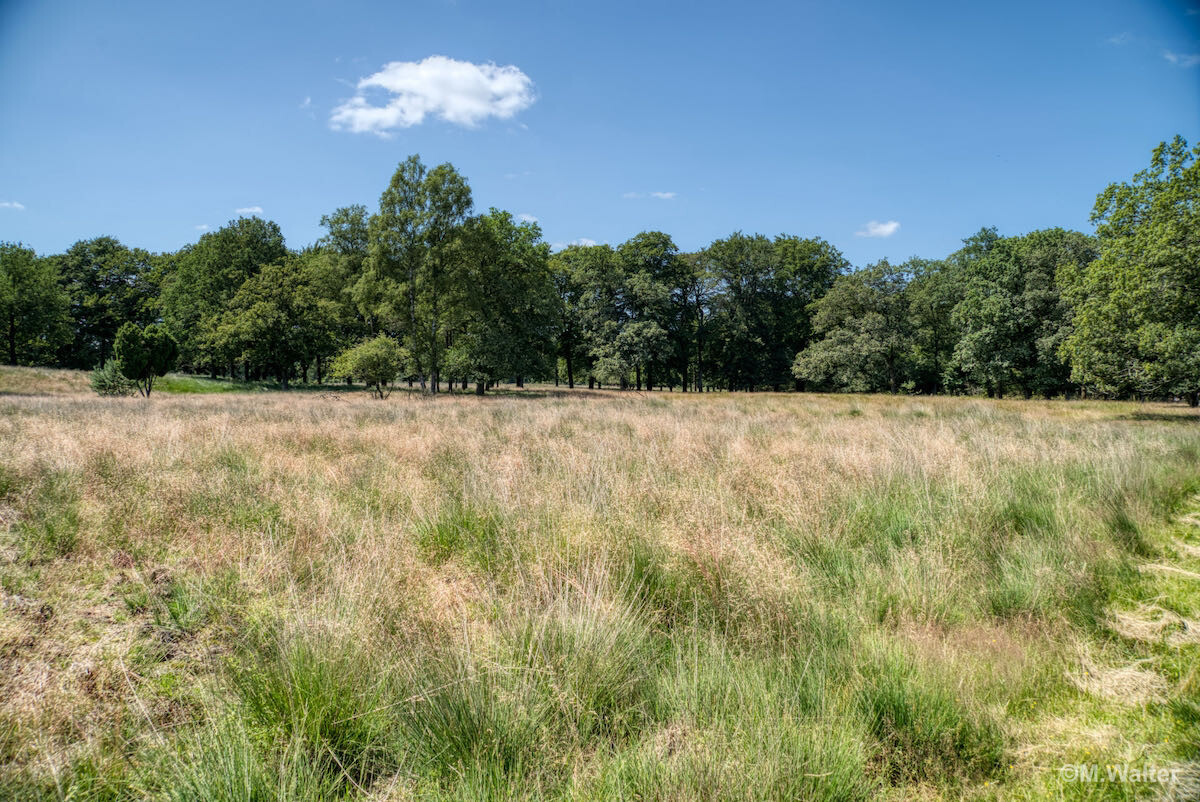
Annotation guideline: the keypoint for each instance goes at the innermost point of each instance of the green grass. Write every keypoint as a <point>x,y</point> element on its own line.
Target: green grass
<point>269,596</point>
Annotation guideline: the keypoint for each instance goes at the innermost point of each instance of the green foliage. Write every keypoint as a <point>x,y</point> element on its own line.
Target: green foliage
<point>143,355</point>
<point>377,362</point>
<point>1011,318</point>
<point>34,322</point>
<point>1136,307</point>
<point>108,380</point>
<point>503,319</point>
<point>480,298</point>
<point>762,315</point>
<point>108,285</point>
<point>278,318</point>
<point>413,241</point>
<point>202,279</point>
<point>865,330</point>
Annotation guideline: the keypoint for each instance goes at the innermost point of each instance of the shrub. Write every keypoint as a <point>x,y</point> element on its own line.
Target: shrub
<point>376,361</point>
<point>145,354</point>
<point>107,380</point>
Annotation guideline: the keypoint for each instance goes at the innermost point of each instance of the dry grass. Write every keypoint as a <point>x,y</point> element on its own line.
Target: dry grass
<point>933,554</point>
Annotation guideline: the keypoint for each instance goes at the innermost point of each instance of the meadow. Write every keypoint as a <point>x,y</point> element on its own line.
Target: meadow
<point>592,595</point>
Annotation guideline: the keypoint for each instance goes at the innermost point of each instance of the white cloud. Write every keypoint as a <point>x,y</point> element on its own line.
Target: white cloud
<point>1182,59</point>
<point>249,210</point>
<point>20,207</point>
<point>1122,38</point>
<point>583,241</point>
<point>307,102</point>
<point>658,195</point>
<point>458,92</point>
<point>874,228</point>
<point>202,227</point>
<point>527,218</point>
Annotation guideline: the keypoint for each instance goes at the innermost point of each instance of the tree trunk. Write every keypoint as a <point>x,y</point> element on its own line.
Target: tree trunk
<point>521,381</point>
<point>591,382</point>
<point>478,388</point>
<point>570,372</point>
<point>639,378</point>
<point>1193,398</point>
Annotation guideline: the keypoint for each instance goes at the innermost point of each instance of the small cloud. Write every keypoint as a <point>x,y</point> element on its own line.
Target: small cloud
<point>1123,38</point>
<point>582,241</point>
<point>20,207</point>
<point>522,174</point>
<point>202,227</point>
<point>527,218</point>
<point>877,229</point>
<point>307,102</point>
<point>457,92</point>
<point>249,210</point>
<point>656,195</point>
<point>1182,59</point>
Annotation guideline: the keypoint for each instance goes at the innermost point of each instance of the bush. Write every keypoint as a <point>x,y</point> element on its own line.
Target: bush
<point>107,380</point>
<point>376,362</point>
<point>145,354</point>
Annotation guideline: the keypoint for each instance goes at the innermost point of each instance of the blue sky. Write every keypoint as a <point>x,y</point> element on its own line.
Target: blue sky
<point>888,130</point>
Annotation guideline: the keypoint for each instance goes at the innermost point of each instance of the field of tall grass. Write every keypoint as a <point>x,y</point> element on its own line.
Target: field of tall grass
<point>593,595</point>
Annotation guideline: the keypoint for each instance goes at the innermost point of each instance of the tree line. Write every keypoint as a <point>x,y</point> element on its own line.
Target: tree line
<point>427,291</point>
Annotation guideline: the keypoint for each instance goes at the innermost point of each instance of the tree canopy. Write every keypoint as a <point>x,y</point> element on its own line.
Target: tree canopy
<point>480,298</point>
<point>1137,306</point>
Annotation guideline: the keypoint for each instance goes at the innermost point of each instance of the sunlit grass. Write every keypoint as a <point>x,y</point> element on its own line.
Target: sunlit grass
<point>589,596</point>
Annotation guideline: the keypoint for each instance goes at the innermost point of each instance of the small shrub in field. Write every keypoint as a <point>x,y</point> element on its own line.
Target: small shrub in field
<point>107,380</point>
<point>376,362</point>
<point>144,354</point>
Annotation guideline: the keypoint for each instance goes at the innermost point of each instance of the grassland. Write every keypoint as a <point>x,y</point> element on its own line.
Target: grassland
<point>592,596</point>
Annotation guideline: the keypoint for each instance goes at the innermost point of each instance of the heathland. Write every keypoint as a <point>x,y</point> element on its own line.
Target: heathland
<point>592,595</point>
